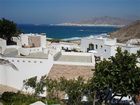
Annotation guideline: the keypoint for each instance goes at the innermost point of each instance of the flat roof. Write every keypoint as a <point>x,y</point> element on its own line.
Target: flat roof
<point>13,52</point>
<point>39,55</point>
<point>10,52</point>
<point>71,58</point>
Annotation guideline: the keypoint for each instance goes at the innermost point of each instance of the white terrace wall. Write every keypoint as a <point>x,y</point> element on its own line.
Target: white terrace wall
<point>76,54</point>
<point>2,45</point>
<point>27,51</point>
<point>27,68</point>
<point>92,63</point>
<point>43,42</point>
<point>17,40</point>
<point>132,49</point>
<point>108,51</point>
<point>24,40</point>
<point>12,46</point>
<point>74,63</point>
<point>3,70</point>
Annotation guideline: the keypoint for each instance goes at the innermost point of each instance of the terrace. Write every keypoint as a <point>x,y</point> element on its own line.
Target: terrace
<point>27,53</point>
<point>74,58</point>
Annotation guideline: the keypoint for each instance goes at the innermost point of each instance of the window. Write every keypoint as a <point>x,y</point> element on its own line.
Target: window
<point>23,61</point>
<point>105,50</point>
<point>29,61</point>
<point>101,46</point>
<point>12,60</point>
<point>40,61</point>
<point>91,46</point>
<point>96,46</point>
<point>34,61</point>
<point>17,60</point>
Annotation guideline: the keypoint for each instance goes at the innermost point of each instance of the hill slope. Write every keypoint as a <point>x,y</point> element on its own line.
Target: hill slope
<point>106,20</point>
<point>100,21</point>
<point>131,31</point>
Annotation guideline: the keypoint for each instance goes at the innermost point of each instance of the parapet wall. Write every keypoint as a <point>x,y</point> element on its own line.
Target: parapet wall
<point>76,53</point>
<point>27,68</point>
<point>27,51</point>
<point>92,63</point>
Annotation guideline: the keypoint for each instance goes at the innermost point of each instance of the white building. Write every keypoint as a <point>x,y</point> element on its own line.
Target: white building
<point>31,57</point>
<point>31,40</point>
<point>102,47</point>
<point>65,46</point>
<point>105,47</point>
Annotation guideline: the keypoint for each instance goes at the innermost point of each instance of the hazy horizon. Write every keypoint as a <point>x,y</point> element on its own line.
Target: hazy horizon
<point>60,11</point>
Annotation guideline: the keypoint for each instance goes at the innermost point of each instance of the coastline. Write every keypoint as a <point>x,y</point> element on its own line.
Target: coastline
<point>68,32</point>
<point>87,25</point>
<point>78,38</point>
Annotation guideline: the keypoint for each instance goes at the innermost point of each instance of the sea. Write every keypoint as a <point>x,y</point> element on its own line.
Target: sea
<point>67,32</point>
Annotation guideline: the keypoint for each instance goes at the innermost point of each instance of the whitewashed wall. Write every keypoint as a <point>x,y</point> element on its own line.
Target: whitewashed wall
<point>86,41</point>
<point>131,49</point>
<point>43,41</point>
<point>27,51</point>
<point>75,63</point>
<point>24,40</point>
<point>105,47</point>
<point>2,45</point>
<point>76,53</point>
<point>3,70</point>
<point>108,41</point>
<point>92,63</point>
<point>27,68</point>
<point>108,51</point>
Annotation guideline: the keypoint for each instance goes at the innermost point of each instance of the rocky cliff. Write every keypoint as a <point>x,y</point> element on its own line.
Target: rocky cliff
<point>128,32</point>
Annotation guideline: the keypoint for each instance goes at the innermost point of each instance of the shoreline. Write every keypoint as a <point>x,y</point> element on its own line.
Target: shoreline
<point>78,38</point>
<point>88,25</point>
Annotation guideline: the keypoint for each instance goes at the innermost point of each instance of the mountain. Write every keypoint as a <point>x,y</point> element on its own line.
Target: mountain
<point>106,20</point>
<point>100,21</point>
<point>128,32</point>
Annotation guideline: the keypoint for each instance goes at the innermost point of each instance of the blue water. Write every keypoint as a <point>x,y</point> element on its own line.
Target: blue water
<point>63,32</point>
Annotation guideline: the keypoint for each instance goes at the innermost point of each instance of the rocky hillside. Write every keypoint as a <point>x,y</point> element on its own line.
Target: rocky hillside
<point>100,21</point>
<point>106,20</point>
<point>131,31</point>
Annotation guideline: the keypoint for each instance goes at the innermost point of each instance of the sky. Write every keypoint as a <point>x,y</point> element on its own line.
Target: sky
<point>59,11</point>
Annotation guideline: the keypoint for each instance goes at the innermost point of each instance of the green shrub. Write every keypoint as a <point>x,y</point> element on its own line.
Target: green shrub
<point>18,99</point>
<point>11,98</point>
<point>8,96</point>
<point>53,101</point>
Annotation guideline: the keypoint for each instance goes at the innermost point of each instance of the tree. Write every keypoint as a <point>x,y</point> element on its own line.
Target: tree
<point>36,85</point>
<point>74,89</point>
<point>120,74</point>
<point>52,88</point>
<point>31,82</point>
<point>8,29</point>
<point>138,53</point>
